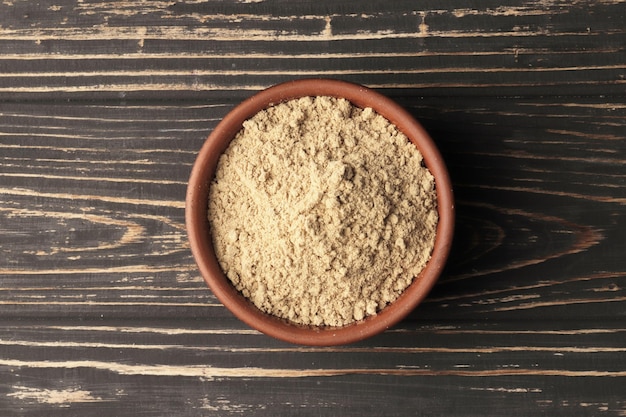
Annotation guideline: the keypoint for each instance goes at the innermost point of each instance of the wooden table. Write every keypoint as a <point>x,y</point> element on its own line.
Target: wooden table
<point>104,105</point>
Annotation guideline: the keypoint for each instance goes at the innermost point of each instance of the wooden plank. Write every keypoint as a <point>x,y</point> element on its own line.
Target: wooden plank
<point>103,106</point>
<point>191,368</point>
<point>93,208</point>
<point>219,49</point>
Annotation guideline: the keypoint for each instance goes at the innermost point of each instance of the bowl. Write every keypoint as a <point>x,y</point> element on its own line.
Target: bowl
<point>200,239</point>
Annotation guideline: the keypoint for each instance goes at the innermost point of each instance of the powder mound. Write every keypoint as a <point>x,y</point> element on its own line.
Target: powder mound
<point>322,213</point>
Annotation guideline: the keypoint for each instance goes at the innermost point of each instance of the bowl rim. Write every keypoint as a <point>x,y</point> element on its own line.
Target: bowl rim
<point>197,224</point>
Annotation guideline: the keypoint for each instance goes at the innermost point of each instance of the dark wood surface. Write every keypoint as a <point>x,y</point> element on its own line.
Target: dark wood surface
<point>103,106</point>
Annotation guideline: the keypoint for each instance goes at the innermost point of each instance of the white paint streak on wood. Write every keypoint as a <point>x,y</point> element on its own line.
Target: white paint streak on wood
<point>507,11</point>
<point>97,179</point>
<point>422,27</point>
<point>570,332</point>
<point>200,72</point>
<point>90,150</point>
<point>525,306</point>
<point>123,88</point>
<point>184,331</point>
<point>235,34</point>
<point>607,106</point>
<point>94,161</point>
<point>298,349</point>
<point>186,55</point>
<point>102,303</point>
<point>57,117</point>
<point>55,397</point>
<point>225,405</point>
<point>156,330</point>
<point>109,270</point>
<point>508,390</point>
<point>123,8</point>
<point>108,199</point>
<point>111,288</point>
<point>206,87</point>
<point>94,345</point>
<point>209,372</point>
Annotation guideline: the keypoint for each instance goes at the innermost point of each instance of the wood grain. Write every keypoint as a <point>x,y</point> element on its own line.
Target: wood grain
<point>172,49</point>
<point>104,105</point>
<point>169,369</point>
<point>111,207</point>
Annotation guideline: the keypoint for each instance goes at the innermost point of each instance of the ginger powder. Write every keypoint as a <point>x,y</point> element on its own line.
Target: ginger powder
<point>320,212</point>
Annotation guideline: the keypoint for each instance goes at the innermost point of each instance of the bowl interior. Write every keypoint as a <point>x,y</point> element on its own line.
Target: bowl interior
<point>201,242</point>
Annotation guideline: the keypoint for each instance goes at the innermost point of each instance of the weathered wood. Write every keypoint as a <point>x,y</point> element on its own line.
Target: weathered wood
<point>193,369</point>
<point>190,49</point>
<point>103,106</point>
<point>98,191</point>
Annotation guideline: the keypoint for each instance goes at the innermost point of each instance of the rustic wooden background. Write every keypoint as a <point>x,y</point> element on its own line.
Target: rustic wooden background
<point>103,106</point>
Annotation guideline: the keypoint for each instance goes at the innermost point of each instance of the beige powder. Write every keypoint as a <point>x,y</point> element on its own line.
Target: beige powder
<point>320,212</point>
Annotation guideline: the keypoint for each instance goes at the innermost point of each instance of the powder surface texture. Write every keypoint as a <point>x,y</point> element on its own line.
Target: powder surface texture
<point>322,213</point>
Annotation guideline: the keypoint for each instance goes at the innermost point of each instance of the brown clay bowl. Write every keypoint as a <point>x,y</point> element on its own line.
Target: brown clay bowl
<point>201,241</point>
